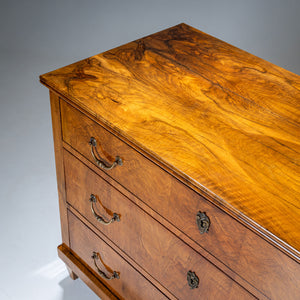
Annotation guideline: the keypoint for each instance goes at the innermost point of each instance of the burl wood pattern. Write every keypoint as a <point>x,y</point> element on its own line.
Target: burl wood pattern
<point>228,240</point>
<point>156,250</point>
<point>225,120</point>
<point>131,284</point>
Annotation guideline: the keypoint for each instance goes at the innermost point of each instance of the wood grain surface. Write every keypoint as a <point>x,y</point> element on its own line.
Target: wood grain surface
<point>147,243</point>
<point>159,253</point>
<point>73,262</point>
<point>58,149</point>
<point>130,284</point>
<point>225,120</point>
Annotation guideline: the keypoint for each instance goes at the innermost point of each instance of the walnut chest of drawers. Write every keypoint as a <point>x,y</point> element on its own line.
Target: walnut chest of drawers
<point>177,160</point>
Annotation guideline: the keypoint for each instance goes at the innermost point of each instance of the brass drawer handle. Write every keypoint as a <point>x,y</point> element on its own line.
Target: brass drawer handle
<point>102,163</point>
<point>115,274</point>
<point>100,219</point>
<point>193,280</point>
<point>203,222</point>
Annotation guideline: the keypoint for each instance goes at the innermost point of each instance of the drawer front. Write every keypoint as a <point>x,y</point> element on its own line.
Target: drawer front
<point>101,258</point>
<point>235,245</point>
<point>151,245</point>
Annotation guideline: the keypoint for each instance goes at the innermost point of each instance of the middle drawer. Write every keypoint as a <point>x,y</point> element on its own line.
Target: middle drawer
<point>160,253</point>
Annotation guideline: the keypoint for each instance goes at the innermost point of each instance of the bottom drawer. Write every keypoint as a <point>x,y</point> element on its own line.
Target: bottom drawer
<point>121,277</point>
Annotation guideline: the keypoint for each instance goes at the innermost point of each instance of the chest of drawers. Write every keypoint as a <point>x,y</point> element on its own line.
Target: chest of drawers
<point>177,159</point>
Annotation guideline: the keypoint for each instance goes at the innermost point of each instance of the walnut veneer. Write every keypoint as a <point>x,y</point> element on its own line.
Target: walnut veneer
<point>177,160</point>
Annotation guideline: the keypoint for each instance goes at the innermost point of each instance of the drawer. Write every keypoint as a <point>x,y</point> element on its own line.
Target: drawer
<point>151,245</point>
<point>101,258</point>
<point>227,239</point>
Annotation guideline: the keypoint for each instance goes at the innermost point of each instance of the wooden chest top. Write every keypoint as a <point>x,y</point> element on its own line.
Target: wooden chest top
<point>226,122</point>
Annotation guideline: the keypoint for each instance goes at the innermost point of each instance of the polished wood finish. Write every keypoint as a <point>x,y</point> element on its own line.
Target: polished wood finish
<point>200,126</point>
<point>152,246</point>
<point>145,179</point>
<point>222,118</point>
<point>131,284</point>
<point>127,258</point>
<point>58,149</point>
<point>214,260</point>
<point>86,274</point>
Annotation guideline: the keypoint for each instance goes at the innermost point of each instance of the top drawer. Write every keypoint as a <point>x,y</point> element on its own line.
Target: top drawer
<point>243,251</point>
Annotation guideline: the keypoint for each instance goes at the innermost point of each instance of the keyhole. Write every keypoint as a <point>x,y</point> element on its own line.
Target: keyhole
<point>192,279</point>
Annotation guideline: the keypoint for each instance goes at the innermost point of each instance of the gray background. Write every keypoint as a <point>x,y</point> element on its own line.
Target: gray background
<point>39,36</point>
